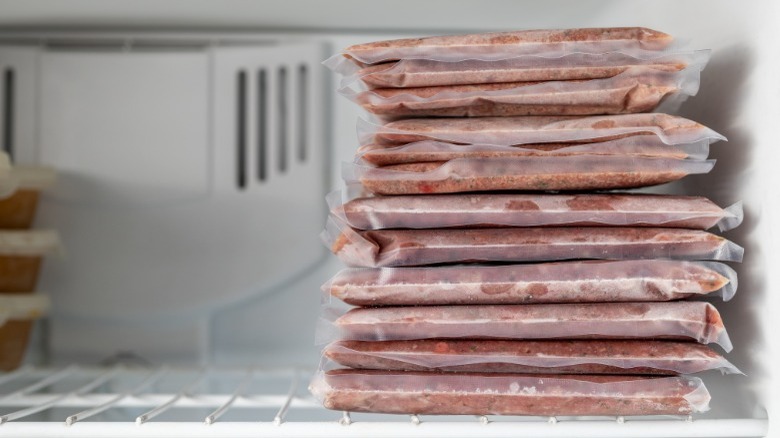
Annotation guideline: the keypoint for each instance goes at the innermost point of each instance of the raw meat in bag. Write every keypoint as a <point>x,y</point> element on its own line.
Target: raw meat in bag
<point>532,357</point>
<point>636,90</point>
<point>507,394</point>
<point>678,320</point>
<point>500,45</point>
<point>409,73</point>
<point>551,173</point>
<point>380,248</point>
<point>435,151</point>
<point>537,283</point>
<point>507,131</point>
<point>530,210</point>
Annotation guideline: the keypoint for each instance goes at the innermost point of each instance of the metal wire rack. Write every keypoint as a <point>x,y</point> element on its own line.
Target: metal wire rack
<point>168,401</point>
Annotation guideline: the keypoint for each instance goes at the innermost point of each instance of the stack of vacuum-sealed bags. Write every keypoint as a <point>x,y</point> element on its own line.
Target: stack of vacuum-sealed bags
<point>495,274</point>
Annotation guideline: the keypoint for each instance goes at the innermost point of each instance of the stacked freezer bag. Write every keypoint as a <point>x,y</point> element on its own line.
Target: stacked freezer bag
<point>494,273</point>
<point>21,254</point>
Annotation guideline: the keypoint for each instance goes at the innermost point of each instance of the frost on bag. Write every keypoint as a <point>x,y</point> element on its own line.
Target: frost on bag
<point>538,283</point>
<point>509,131</point>
<point>385,248</point>
<point>396,392</point>
<point>553,173</point>
<point>534,357</point>
<point>411,73</point>
<point>677,320</point>
<point>531,210</point>
<point>503,45</point>
<point>636,90</point>
<point>435,151</point>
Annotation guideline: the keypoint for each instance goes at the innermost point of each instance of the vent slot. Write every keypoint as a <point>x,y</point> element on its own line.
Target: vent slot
<point>241,115</point>
<point>262,124</point>
<point>8,112</point>
<point>303,110</point>
<point>282,118</point>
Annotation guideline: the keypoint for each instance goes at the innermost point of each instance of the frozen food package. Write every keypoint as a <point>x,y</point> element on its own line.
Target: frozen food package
<point>387,248</point>
<point>532,210</point>
<point>503,45</point>
<point>636,90</point>
<point>536,283</point>
<point>17,314</point>
<point>21,254</point>
<point>412,73</point>
<point>539,174</point>
<point>530,357</point>
<point>17,209</point>
<point>676,320</point>
<point>437,151</point>
<point>397,392</point>
<point>509,131</point>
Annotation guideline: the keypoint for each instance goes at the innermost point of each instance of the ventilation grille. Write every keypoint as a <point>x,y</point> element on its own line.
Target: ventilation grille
<point>276,108</point>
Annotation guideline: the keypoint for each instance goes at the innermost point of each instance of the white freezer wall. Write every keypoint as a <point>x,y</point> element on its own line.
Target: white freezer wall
<point>739,97</point>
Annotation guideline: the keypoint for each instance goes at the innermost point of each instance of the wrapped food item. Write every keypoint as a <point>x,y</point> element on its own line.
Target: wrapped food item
<point>533,210</point>
<point>17,209</point>
<point>503,45</point>
<point>410,73</point>
<point>436,151</point>
<point>554,173</point>
<point>636,90</point>
<point>21,253</point>
<point>17,314</point>
<point>537,283</point>
<point>677,320</point>
<point>507,394</point>
<point>508,131</point>
<point>385,248</point>
<point>530,357</point>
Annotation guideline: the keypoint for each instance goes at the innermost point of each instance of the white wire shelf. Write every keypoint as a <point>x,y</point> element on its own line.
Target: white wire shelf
<point>132,402</point>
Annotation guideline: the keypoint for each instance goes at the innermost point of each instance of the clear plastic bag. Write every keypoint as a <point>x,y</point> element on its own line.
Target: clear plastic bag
<point>538,283</point>
<point>503,45</point>
<point>509,131</point>
<point>430,151</point>
<point>636,90</point>
<point>539,174</point>
<point>385,248</point>
<point>411,73</point>
<point>676,320</point>
<point>531,357</point>
<point>532,210</point>
<point>507,394</point>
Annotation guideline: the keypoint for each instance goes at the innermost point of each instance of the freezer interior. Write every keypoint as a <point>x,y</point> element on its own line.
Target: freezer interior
<point>195,143</point>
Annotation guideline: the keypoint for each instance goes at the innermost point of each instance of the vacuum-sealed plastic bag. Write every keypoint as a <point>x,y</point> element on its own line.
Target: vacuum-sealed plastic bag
<point>532,210</point>
<point>435,151</point>
<point>554,173</point>
<point>537,283</point>
<point>503,45</point>
<point>396,392</point>
<point>508,131</point>
<point>677,320</point>
<point>636,90</point>
<point>532,357</point>
<point>410,73</point>
<point>381,248</point>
